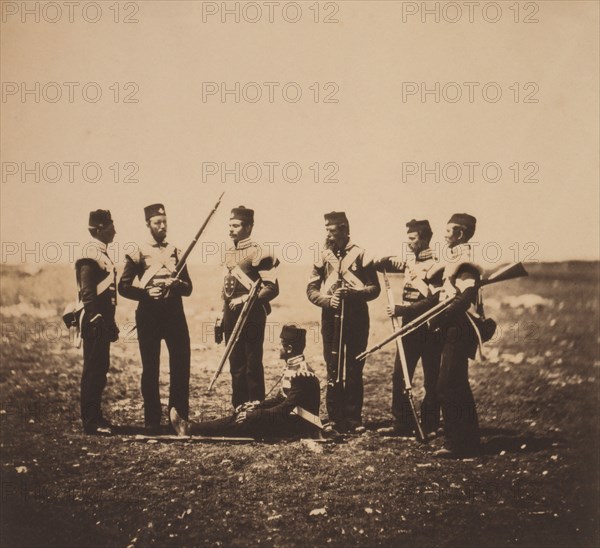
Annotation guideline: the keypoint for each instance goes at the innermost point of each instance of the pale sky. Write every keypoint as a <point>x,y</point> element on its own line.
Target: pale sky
<point>369,136</point>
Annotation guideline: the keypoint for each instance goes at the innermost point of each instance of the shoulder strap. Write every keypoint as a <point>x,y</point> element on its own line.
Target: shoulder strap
<point>242,277</point>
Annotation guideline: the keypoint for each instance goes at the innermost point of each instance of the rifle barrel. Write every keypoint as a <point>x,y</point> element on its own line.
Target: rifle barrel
<point>183,260</point>
<point>235,334</point>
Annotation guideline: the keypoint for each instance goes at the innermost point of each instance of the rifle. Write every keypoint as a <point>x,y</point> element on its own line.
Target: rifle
<point>183,259</point>
<point>237,330</point>
<point>338,327</point>
<point>397,323</point>
<point>509,272</point>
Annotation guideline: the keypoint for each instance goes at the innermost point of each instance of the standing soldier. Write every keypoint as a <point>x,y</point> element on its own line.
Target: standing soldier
<point>159,316</point>
<point>422,343</point>
<point>96,279</point>
<point>458,338</point>
<point>246,262</point>
<point>342,280</point>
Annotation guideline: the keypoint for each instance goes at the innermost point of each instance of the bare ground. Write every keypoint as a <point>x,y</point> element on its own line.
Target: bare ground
<point>535,485</point>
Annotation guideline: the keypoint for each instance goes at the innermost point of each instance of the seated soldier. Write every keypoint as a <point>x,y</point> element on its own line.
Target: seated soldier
<point>293,412</point>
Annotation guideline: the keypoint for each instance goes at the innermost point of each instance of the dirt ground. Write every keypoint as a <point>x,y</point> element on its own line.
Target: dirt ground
<point>537,397</point>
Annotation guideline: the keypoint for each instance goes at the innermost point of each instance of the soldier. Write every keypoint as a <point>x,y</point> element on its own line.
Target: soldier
<point>458,338</point>
<point>96,279</point>
<point>246,262</point>
<point>294,411</point>
<point>422,343</point>
<point>159,316</point>
<point>342,274</point>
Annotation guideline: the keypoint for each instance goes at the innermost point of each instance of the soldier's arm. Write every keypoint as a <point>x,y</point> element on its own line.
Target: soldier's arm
<point>126,287</point>
<point>269,289</point>
<point>88,274</point>
<point>184,287</point>
<point>313,289</point>
<point>417,308</point>
<point>388,264</point>
<point>371,289</point>
<point>271,402</point>
<point>466,284</point>
<point>268,274</point>
<point>282,409</point>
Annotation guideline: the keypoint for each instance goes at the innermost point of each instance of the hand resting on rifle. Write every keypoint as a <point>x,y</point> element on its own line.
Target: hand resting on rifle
<point>234,304</point>
<point>345,292</point>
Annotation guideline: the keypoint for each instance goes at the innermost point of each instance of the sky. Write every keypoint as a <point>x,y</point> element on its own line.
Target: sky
<point>400,116</point>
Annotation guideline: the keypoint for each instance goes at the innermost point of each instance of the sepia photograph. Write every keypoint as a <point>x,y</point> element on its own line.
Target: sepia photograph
<point>300,273</point>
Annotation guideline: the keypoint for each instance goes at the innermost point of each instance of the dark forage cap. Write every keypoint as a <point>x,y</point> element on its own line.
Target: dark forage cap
<point>153,210</point>
<point>463,219</point>
<point>335,218</point>
<point>100,218</point>
<point>415,226</point>
<point>242,213</point>
<point>292,334</point>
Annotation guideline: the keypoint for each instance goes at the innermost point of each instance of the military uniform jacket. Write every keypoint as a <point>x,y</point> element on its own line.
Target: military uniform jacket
<point>460,279</point>
<point>356,273</point>
<point>417,286</point>
<point>151,265</point>
<point>244,264</point>
<point>298,401</point>
<point>96,279</point>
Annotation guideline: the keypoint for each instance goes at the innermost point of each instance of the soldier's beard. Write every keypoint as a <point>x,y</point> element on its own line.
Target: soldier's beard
<point>333,245</point>
<point>159,236</point>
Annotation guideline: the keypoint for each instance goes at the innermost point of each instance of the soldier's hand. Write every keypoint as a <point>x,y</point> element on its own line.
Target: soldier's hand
<point>241,417</point>
<point>172,282</point>
<point>234,304</point>
<point>343,292</point>
<point>335,301</point>
<point>352,292</point>
<point>396,263</point>
<point>154,292</point>
<point>390,311</point>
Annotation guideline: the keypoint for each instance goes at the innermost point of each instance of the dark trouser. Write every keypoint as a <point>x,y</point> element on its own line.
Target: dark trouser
<point>245,360</point>
<point>458,406</point>
<point>345,399</point>
<point>286,426</point>
<point>220,427</point>
<point>423,344</point>
<point>158,320</point>
<point>96,360</point>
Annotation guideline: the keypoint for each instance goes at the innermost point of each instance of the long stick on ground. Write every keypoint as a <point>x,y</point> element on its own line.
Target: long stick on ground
<point>396,324</point>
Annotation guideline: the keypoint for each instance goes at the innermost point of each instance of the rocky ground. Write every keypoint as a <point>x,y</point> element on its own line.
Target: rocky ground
<point>535,485</point>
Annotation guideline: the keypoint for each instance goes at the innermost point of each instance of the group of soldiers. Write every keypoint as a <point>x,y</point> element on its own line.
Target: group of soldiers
<point>342,282</point>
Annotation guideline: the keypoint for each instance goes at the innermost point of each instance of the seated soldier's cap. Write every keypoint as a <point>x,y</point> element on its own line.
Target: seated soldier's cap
<point>335,217</point>
<point>242,213</point>
<point>415,226</point>
<point>292,334</point>
<point>100,218</point>
<point>463,219</point>
<point>153,210</point>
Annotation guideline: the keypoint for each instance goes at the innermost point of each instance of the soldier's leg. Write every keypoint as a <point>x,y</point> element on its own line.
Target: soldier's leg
<point>430,407</point>
<point>401,410</point>
<point>219,427</point>
<point>356,338</point>
<point>149,342</point>
<point>96,358</point>
<point>334,397</point>
<point>254,336</point>
<point>454,392</point>
<point>177,338</point>
<point>237,361</point>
